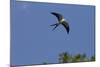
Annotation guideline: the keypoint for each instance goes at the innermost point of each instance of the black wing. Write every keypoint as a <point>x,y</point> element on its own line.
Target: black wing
<point>66,26</point>
<point>59,16</point>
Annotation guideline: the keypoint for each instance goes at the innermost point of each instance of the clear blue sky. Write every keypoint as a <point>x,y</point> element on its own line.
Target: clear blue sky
<point>32,38</point>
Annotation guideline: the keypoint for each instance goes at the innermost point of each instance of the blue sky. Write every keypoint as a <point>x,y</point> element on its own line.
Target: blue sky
<point>32,38</point>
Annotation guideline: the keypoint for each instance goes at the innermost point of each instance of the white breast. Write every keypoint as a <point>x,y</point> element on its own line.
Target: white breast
<point>62,20</point>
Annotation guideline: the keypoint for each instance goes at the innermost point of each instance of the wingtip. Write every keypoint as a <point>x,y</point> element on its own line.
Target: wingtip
<point>67,32</point>
<point>52,12</point>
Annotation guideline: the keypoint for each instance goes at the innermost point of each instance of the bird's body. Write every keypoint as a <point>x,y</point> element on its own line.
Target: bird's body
<point>61,20</point>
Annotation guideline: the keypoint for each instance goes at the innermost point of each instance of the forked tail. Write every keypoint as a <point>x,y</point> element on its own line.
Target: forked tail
<point>56,25</point>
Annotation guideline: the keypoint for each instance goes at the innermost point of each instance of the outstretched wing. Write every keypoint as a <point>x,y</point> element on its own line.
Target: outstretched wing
<point>66,26</point>
<point>59,16</point>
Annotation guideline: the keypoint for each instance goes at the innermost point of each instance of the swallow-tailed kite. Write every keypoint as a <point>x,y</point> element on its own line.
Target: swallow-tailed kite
<point>61,20</point>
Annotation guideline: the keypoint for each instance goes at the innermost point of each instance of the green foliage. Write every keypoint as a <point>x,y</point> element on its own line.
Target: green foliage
<point>79,58</point>
<point>45,63</point>
<point>93,58</point>
<point>66,58</point>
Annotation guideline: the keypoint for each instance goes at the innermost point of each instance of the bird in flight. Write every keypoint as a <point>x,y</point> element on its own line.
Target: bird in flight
<point>61,21</point>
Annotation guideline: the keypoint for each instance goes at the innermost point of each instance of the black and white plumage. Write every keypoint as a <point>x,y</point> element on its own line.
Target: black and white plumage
<point>61,20</point>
